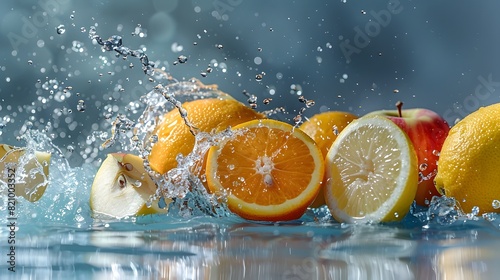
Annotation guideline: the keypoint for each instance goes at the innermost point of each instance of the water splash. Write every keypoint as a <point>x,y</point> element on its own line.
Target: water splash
<point>65,200</point>
<point>442,210</point>
<point>114,43</point>
<point>185,182</point>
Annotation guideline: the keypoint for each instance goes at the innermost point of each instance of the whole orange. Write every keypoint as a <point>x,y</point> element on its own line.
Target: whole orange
<point>207,115</point>
<point>323,128</point>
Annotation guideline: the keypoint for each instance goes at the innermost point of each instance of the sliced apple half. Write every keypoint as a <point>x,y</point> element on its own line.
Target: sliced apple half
<point>122,188</point>
<point>28,173</point>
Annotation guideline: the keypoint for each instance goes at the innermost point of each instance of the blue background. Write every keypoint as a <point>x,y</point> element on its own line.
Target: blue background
<point>441,55</point>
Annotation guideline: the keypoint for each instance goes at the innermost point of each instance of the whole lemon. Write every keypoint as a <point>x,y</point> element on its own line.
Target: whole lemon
<point>468,166</point>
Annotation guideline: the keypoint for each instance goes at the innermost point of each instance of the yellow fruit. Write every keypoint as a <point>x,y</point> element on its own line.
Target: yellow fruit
<point>206,115</point>
<point>33,180</point>
<point>469,160</point>
<point>323,128</point>
<point>371,172</point>
<point>269,170</point>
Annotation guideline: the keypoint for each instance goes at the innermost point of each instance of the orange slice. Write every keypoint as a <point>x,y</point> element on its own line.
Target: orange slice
<point>269,170</point>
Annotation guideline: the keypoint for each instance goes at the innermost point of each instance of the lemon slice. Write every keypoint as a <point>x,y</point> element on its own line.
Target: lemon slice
<point>371,172</point>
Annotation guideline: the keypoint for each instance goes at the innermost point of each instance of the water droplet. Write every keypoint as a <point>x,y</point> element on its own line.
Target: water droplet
<point>219,46</point>
<point>83,29</point>
<point>496,204</point>
<point>296,89</point>
<point>297,119</point>
<point>267,100</point>
<point>203,74</point>
<point>489,216</point>
<point>396,91</point>
<point>30,62</point>
<point>60,29</point>
<point>81,106</point>
<point>335,130</point>
<point>259,49</point>
<point>259,77</point>
<point>435,152</point>
<point>176,47</point>
<point>182,59</point>
<point>310,103</point>
<point>153,138</point>
<point>423,166</point>
<point>475,210</point>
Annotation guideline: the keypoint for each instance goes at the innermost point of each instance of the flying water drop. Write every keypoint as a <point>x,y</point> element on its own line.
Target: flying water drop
<point>60,29</point>
<point>81,106</point>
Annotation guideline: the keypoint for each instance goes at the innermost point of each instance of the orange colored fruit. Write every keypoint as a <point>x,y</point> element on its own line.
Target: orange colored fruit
<point>323,128</point>
<point>269,170</point>
<point>207,115</point>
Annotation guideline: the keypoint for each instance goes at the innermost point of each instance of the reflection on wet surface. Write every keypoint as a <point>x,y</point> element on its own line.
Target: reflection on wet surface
<point>206,248</point>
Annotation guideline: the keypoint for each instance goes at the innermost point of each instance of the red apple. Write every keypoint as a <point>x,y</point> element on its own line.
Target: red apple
<point>427,132</point>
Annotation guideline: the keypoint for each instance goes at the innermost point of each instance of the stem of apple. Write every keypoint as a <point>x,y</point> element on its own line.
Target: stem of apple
<point>399,105</point>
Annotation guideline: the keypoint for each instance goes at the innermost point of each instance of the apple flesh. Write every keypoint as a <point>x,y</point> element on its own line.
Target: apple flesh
<point>427,132</point>
<point>122,188</point>
<point>28,172</point>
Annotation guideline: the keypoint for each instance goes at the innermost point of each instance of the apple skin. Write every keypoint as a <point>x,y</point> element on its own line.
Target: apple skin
<point>427,131</point>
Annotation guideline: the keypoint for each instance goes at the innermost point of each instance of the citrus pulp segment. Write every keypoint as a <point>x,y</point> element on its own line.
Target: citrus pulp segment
<point>371,172</point>
<point>269,170</point>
